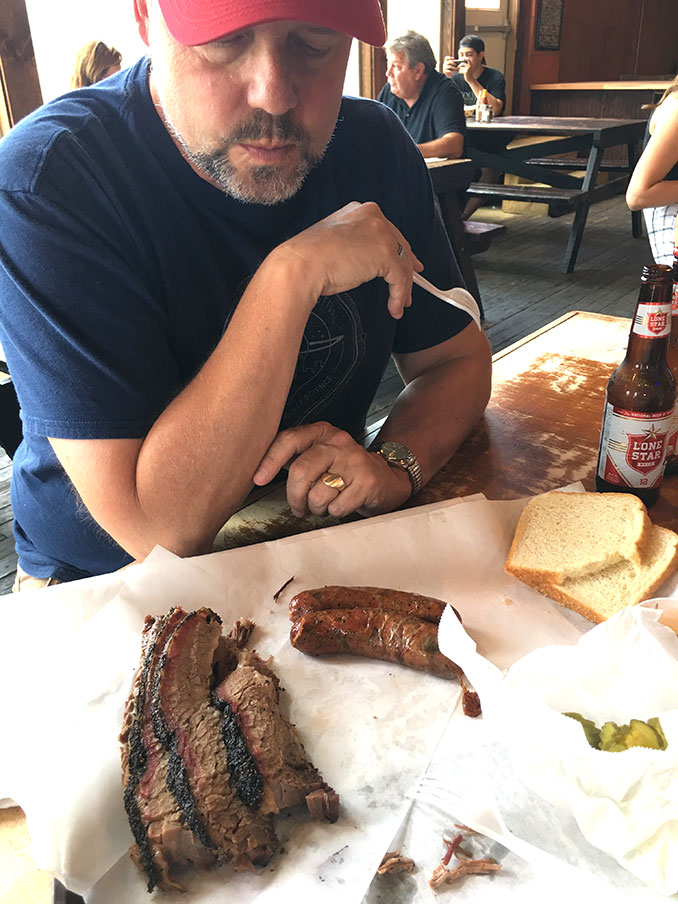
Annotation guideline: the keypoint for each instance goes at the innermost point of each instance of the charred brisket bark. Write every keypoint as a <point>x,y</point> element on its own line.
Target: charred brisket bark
<point>207,757</point>
<point>189,728</point>
<point>163,841</point>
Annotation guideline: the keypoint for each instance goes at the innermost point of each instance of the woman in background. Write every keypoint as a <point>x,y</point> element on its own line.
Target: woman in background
<point>94,62</point>
<point>654,183</point>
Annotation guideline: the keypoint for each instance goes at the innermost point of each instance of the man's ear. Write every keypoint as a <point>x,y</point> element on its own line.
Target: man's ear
<point>419,70</point>
<point>141,15</point>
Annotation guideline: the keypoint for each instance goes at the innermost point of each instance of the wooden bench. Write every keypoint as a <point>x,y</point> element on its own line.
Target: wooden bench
<point>480,235</point>
<point>579,163</point>
<point>559,200</point>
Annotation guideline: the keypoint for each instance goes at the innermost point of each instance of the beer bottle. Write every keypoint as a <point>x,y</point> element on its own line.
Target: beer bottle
<point>672,361</point>
<point>640,397</point>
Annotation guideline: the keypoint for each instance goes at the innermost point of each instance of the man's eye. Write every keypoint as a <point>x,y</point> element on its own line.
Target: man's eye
<point>309,50</point>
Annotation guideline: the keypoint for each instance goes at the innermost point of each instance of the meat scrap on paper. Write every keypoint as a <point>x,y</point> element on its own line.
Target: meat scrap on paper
<point>444,875</point>
<point>392,625</point>
<point>207,757</point>
<point>394,862</point>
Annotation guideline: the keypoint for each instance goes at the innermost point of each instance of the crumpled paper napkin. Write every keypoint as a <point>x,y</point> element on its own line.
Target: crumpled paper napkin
<point>626,804</point>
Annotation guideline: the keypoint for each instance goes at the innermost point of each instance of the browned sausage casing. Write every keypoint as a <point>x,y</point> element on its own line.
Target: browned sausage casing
<point>337,597</point>
<point>375,633</point>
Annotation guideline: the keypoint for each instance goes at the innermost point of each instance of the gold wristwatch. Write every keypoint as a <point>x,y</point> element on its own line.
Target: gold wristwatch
<point>399,456</point>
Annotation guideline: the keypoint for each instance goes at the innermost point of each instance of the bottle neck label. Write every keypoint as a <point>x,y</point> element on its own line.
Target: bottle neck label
<point>633,447</point>
<point>652,321</point>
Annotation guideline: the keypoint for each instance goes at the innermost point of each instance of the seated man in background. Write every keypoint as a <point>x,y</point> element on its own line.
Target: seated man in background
<point>205,265</point>
<point>470,74</point>
<point>422,98</point>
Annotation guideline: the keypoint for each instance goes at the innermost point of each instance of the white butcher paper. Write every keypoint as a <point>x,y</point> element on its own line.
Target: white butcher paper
<point>370,727</point>
<point>584,801</point>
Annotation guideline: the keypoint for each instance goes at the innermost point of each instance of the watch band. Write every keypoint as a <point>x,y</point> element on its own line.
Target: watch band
<point>399,456</point>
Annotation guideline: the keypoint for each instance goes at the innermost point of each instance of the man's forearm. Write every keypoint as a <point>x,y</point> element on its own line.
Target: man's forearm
<point>180,483</point>
<point>437,410</point>
<point>493,102</point>
<point>449,145</point>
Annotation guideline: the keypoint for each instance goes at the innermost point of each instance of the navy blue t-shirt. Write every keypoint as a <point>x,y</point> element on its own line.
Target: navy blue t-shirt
<point>437,111</point>
<point>491,79</point>
<point>120,269</point>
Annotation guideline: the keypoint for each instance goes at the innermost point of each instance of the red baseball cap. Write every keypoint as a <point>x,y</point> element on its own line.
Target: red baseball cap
<point>194,22</point>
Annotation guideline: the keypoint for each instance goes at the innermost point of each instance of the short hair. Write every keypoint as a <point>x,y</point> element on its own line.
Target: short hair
<point>474,42</point>
<point>416,48</point>
<point>92,63</point>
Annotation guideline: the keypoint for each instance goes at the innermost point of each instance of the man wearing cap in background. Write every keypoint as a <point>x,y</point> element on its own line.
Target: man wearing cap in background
<point>205,265</point>
<point>422,98</point>
<point>470,74</point>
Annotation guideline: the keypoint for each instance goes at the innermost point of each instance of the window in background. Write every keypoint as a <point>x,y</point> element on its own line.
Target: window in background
<point>352,80</point>
<point>422,17</point>
<point>483,4</point>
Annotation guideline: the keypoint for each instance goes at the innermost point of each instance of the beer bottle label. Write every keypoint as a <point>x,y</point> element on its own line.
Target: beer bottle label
<point>633,447</point>
<point>652,321</point>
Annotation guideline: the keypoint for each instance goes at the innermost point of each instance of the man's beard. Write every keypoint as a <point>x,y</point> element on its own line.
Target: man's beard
<point>256,184</point>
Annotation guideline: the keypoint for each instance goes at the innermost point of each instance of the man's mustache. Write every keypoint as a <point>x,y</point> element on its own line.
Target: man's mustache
<point>263,126</point>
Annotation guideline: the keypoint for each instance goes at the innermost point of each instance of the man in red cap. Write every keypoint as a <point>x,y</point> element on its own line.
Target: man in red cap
<point>205,264</point>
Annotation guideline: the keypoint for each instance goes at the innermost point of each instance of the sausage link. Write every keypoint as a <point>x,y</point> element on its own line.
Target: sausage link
<point>336,597</point>
<point>376,633</point>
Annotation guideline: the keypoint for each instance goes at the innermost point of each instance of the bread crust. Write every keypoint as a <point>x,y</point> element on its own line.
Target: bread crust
<point>528,526</point>
<point>657,573</point>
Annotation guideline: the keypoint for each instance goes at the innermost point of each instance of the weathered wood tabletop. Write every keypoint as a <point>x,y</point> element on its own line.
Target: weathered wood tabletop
<point>540,430</point>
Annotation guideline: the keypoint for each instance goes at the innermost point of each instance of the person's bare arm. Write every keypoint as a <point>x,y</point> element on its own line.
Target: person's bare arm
<point>449,145</point>
<point>648,186</point>
<point>178,485</point>
<point>447,389</point>
<point>495,103</point>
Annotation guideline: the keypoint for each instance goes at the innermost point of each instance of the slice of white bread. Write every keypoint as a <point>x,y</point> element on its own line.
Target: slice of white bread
<point>599,595</point>
<point>569,535</point>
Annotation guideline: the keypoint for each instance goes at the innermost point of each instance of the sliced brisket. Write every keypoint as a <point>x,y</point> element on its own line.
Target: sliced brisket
<point>189,728</point>
<point>252,692</point>
<point>164,842</point>
<point>207,757</point>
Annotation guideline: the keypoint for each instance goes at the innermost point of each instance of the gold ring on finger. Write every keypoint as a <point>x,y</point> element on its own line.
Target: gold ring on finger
<point>333,480</point>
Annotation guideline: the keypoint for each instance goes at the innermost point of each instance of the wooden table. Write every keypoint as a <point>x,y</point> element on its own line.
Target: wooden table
<point>564,192</point>
<point>449,177</point>
<point>539,432</point>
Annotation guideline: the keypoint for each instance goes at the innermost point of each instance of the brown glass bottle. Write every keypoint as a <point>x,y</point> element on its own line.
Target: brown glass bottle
<point>640,397</point>
<point>672,361</point>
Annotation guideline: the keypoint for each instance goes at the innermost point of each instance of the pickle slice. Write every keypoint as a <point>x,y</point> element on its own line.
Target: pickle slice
<point>591,731</point>
<point>615,738</point>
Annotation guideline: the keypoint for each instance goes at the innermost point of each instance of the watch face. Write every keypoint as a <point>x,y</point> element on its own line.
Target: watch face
<point>395,451</point>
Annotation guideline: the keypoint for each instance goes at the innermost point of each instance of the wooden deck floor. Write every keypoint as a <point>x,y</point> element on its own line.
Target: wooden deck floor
<point>522,289</point>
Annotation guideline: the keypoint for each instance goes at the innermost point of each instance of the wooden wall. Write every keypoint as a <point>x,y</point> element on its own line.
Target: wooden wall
<point>18,72</point>
<point>600,40</point>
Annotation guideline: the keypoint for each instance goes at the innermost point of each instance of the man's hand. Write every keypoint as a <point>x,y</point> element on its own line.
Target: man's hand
<point>351,247</point>
<point>371,485</point>
<point>450,66</point>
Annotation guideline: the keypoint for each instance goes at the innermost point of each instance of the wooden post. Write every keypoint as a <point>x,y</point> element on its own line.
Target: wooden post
<point>452,27</point>
<point>373,65</point>
<point>18,73</point>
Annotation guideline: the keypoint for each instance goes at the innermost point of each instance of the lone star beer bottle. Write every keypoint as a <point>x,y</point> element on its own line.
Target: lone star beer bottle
<point>672,361</point>
<point>640,397</point>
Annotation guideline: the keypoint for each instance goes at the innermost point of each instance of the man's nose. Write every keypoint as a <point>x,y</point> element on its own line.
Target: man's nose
<point>272,85</point>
